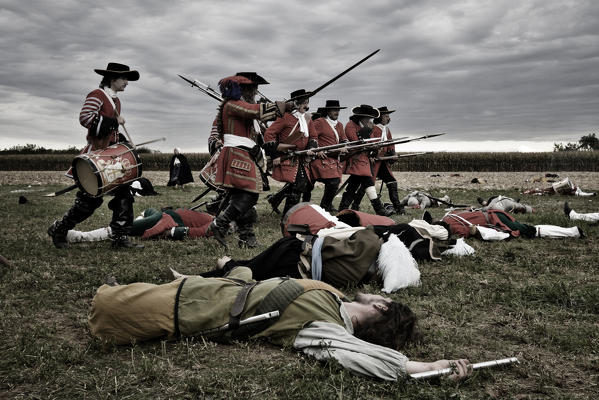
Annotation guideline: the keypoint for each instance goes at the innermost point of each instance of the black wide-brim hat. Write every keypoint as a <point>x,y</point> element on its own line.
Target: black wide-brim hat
<point>119,70</point>
<point>333,105</point>
<point>384,110</point>
<point>254,77</point>
<point>365,110</point>
<point>299,94</point>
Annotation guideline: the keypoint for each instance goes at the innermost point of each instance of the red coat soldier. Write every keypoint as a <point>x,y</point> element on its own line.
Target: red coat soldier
<point>237,166</point>
<point>328,170</point>
<point>293,131</point>
<point>360,126</point>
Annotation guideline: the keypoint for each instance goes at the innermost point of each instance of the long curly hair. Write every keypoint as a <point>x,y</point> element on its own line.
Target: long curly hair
<point>396,328</point>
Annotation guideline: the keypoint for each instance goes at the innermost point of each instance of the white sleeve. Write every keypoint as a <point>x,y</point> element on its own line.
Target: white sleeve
<point>325,340</point>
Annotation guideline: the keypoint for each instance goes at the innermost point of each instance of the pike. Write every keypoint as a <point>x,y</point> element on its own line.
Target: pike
<point>447,371</point>
<point>203,88</point>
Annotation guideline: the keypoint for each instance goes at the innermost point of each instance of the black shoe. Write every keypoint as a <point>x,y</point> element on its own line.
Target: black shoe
<point>218,234</point>
<point>399,210</point>
<point>58,237</point>
<point>481,201</point>
<point>123,242</point>
<point>247,243</point>
<point>273,203</point>
<point>567,210</point>
<point>426,216</point>
<point>581,233</point>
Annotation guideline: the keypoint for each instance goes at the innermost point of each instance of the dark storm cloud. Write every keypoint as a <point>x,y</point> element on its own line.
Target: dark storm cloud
<point>479,70</point>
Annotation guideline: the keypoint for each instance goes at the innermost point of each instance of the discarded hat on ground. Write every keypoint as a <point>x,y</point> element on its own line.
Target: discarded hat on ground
<point>22,199</point>
<point>254,77</point>
<point>365,110</point>
<point>299,94</point>
<point>119,70</point>
<point>333,105</point>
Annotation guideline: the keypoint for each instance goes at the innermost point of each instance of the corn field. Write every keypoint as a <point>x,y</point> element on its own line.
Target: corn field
<point>483,162</point>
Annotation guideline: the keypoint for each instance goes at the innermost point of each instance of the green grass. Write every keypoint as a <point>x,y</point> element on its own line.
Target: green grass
<point>537,300</point>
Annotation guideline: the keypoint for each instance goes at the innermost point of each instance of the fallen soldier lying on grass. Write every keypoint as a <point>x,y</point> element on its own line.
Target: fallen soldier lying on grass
<point>504,203</point>
<point>168,223</point>
<point>364,335</point>
<point>349,257</point>
<point>499,225</point>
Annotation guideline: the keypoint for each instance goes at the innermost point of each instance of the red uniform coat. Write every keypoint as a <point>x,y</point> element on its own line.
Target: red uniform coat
<point>457,226</point>
<point>277,133</point>
<point>378,132</point>
<point>328,167</point>
<point>235,167</point>
<point>96,107</point>
<point>359,163</point>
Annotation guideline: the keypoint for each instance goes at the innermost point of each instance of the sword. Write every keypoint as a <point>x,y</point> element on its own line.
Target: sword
<point>255,318</point>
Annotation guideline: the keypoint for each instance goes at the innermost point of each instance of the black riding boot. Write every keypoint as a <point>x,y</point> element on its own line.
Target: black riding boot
<point>394,196</point>
<point>379,209</point>
<point>330,190</point>
<point>220,226</point>
<point>358,198</point>
<point>346,199</point>
<point>84,207</point>
<point>307,195</point>
<point>275,199</point>
<point>122,220</point>
<point>245,228</point>
<point>292,199</point>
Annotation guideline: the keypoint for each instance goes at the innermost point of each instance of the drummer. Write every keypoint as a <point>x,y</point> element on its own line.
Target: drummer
<point>101,116</point>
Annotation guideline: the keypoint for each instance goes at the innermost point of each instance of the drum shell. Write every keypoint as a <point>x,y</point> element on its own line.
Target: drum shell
<point>99,172</point>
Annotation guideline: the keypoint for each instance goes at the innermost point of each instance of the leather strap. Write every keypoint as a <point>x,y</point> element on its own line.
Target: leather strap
<point>239,304</point>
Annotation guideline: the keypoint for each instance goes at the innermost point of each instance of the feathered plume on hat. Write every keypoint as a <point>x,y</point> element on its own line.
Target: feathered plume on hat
<point>230,87</point>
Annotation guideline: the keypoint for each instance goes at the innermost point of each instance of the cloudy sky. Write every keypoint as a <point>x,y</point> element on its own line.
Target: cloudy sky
<point>494,75</point>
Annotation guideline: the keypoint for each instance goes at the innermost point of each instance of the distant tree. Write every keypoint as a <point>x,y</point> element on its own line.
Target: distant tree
<point>565,147</point>
<point>589,142</point>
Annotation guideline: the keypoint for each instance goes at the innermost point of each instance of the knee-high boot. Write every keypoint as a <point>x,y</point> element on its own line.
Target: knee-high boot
<point>394,196</point>
<point>275,199</point>
<point>379,209</point>
<point>84,207</point>
<point>122,221</point>
<point>327,197</point>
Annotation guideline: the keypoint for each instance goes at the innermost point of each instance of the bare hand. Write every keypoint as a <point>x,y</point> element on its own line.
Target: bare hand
<point>282,147</point>
<point>276,162</point>
<point>310,153</point>
<point>120,120</point>
<point>343,151</point>
<point>321,155</point>
<point>461,368</point>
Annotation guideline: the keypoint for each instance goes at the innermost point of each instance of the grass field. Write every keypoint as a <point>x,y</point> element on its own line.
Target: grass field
<point>537,300</point>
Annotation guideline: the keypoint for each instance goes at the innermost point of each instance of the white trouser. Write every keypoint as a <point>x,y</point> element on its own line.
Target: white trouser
<point>553,231</point>
<point>588,217</point>
<point>74,236</point>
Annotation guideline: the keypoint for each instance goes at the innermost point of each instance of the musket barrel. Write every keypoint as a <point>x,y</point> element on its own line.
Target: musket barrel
<point>447,371</point>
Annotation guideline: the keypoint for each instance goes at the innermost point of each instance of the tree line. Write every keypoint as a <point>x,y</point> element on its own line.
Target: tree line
<point>586,143</point>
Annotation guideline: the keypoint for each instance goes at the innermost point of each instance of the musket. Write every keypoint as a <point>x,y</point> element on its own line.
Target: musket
<point>448,371</point>
<point>445,202</point>
<point>398,156</point>
<point>255,318</point>
<point>326,149</point>
<point>391,142</point>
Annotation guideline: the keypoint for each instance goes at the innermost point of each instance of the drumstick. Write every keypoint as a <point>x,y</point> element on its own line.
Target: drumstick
<point>125,129</point>
<point>151,141</point>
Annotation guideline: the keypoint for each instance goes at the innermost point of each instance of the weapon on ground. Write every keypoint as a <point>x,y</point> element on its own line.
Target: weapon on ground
<point>61,191</point>
<point>255,318</point>
<point>445,202</point>
<point>199,205</point>
<point>398,156</point>
<point>204,193</point>
<point>447,371</point>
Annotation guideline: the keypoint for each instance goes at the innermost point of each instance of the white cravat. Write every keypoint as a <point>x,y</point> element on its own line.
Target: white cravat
<point>384,129</point>
<point>302,122</point>
<point>333,124</point>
